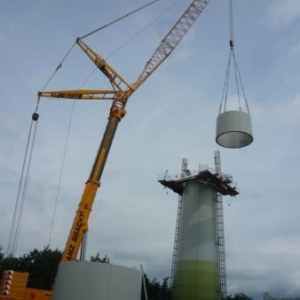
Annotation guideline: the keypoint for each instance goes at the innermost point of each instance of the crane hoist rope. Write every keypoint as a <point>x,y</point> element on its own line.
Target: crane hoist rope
<point>119,95</point>
<point>61,172</point>
<point>232,62</point>
<point>59,66</point>
<point>22,189</point>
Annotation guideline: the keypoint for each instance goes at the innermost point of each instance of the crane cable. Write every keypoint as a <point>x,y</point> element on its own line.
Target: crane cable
<point>59,66</point>
<point>22,188</point>
<point>119,19</point>
<point>237,76</point>
<point>61,172</point>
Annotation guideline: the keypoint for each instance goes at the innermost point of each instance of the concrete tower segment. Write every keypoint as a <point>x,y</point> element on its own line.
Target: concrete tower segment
<point>197,270</point>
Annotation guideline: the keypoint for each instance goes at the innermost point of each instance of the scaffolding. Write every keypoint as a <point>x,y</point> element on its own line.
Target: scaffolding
<point>221,181</point>
<point>184,173</point>
<point>220,233</point>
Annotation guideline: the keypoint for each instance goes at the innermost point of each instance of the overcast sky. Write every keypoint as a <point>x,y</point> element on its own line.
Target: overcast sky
<point>170,117</point>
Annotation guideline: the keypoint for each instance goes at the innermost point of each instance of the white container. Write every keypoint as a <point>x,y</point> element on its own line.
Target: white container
<point>234,129</point>
<point>80,280</point>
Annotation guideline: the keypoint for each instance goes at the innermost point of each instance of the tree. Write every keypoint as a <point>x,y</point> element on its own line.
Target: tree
<point>166,291</point>
<point>157,290</point>
<point>239,296</point>
<point>7,262</point>
<point>41,265</point>
<point>1,254</point>
<point>97,258</point>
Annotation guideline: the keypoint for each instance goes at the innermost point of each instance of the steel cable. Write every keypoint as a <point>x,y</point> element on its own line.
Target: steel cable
<point>21,194</point>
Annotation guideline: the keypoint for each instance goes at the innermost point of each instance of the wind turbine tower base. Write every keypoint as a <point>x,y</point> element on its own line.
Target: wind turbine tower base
<point>197,268</point>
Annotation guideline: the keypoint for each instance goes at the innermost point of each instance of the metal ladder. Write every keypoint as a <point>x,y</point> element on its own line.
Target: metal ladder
<point>184,169</point>
<point>220,233</point>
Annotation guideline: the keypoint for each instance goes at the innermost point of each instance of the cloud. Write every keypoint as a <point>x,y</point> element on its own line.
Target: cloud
<point>259,268</point>
<point>283,13</point>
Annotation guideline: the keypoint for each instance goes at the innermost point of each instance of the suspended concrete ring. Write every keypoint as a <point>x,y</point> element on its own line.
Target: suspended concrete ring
<point>234,129</point>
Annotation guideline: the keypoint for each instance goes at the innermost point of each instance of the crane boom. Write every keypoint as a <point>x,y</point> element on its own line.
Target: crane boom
<point>114,77</point>
<point>80,94</point>
<point>172,39</point>
<point>119,95</point>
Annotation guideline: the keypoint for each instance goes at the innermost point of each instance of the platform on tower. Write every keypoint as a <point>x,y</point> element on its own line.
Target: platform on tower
<point>222,182</point>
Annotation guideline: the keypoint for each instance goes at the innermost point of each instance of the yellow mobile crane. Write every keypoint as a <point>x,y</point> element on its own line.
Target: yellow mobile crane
<point>120,93</point>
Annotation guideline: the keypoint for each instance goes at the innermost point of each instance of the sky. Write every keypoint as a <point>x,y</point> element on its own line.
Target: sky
<point>170,117</point>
